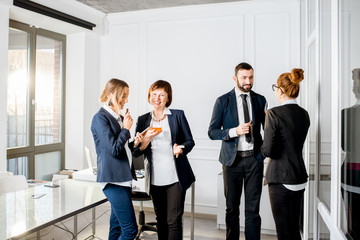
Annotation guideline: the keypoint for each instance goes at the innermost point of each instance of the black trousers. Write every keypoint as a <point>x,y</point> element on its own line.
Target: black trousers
<point>286,206</point>
<point>248,172</point>
<point>168,203</point>
<point>351,201</point>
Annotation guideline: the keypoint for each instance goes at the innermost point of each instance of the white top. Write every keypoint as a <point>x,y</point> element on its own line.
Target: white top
<point>294,187</point>
<point>243,145</point>
<point>128,152</point>
<point>350,188</point>
<point>163,165</point>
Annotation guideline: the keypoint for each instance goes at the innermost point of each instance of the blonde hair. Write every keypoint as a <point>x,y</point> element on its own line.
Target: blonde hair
<point>114,85</point>
<point>290,82</point>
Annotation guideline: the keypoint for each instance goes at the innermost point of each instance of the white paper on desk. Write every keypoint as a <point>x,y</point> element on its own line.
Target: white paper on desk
<point>139,185</point>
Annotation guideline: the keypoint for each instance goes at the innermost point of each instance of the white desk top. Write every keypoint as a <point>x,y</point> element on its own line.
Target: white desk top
<point>20,214</point>
<point>87,175</point>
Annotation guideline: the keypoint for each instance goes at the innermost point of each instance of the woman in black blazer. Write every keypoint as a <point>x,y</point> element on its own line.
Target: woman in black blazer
<point>165,145</point>
<point>286,127</point>
<point>111,133</point>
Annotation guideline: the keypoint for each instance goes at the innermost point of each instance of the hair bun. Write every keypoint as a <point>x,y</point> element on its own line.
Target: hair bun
<point>356,74</point>
<point>296,75</point>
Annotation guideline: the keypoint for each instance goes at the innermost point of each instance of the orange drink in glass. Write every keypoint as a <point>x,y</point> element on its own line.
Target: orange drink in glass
<point>157,129</point>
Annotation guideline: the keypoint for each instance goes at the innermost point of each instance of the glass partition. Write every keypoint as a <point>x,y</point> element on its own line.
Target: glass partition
<point>350,117</point>
<point>324,162</point>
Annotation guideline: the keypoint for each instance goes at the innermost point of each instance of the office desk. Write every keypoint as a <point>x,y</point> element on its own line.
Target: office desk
<point>21,215</point>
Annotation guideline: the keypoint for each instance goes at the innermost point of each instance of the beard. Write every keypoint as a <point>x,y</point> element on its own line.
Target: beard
<point>242,87</point>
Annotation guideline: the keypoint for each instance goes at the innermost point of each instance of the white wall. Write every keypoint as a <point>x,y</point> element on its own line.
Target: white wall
<point>196,49</point>
<point>4,29</point>
<point>82,91</point>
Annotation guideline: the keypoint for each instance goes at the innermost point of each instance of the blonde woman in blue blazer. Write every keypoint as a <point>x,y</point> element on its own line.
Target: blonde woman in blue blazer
<point>166,150</point>
<point>110,131</point>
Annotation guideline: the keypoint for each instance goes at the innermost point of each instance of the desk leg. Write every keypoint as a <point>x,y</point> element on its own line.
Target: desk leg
<point>93,221</point>
<point>192,210</point>
<point>75,227</point>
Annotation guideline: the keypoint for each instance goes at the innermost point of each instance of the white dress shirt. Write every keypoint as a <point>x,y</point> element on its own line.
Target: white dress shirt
<point>163,165</point>
<point>243,145</point>
<point>128,152</point>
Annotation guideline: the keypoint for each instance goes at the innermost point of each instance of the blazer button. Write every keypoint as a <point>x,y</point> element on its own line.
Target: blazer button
<point>235,144</point>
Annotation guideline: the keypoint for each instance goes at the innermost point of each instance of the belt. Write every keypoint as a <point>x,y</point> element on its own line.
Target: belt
<point>245,154</point>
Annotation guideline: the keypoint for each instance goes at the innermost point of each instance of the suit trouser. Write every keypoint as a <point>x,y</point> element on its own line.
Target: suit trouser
<point>123,224</point>
<point>351,201</point>
<point>168,203</point>
<point>248,172</point>
<point>286,207</point>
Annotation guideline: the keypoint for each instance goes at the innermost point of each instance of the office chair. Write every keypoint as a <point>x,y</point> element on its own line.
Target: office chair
<point>12,183</point>
<point>138,164</point>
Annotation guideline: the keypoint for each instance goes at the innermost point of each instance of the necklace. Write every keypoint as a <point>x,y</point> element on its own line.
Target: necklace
<point>155,119</point>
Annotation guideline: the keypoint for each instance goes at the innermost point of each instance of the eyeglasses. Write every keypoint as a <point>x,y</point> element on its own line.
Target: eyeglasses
<point>274,87</point>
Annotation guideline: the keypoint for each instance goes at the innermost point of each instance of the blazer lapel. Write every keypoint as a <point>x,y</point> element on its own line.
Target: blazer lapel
<point>172,124</point>
<point>233,106</point>
<point>253,107</point>
<point>147,121</point>
<point>114,122</point>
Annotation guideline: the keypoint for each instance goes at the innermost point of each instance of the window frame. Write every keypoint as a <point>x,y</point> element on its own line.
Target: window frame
<point>31,150</point>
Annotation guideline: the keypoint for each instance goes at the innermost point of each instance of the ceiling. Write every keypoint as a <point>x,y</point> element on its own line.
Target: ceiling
<point>114,6</point>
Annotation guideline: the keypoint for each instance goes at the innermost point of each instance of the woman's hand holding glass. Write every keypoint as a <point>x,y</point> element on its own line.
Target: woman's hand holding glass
<point>145,137</point>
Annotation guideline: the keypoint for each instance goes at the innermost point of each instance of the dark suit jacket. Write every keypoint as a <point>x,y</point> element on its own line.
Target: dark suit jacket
<point>225,117</point>
<point>350,143</point>
<point>180,134</point>
<point>285,131</point>
<point>112,161</point>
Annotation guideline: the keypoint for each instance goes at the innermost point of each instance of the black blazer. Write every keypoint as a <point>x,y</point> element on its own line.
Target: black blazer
<point>225,117</point>
<point>285,131</point>
<point>180,134</point>
<point>350,143</point>
<point>112,161</point>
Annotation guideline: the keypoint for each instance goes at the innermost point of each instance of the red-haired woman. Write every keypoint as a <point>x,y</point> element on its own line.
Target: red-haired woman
<point>286,127</point>
<point>165,146</point>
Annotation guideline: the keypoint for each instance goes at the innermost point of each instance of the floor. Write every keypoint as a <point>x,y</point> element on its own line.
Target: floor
<point>205,228</point>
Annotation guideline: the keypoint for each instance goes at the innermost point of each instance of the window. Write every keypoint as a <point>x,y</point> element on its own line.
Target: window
<point>35,101</point>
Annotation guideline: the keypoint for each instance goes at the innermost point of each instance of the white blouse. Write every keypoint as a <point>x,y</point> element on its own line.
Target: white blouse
<point>163,164</point>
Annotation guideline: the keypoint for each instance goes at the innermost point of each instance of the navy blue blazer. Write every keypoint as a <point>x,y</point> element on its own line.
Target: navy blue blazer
<point>180,134</point>
<point>112,161</point>
<point>225,117</point>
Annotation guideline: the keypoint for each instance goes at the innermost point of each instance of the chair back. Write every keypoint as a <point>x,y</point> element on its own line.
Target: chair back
<point>138,162</point>
<point>13,183</point>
